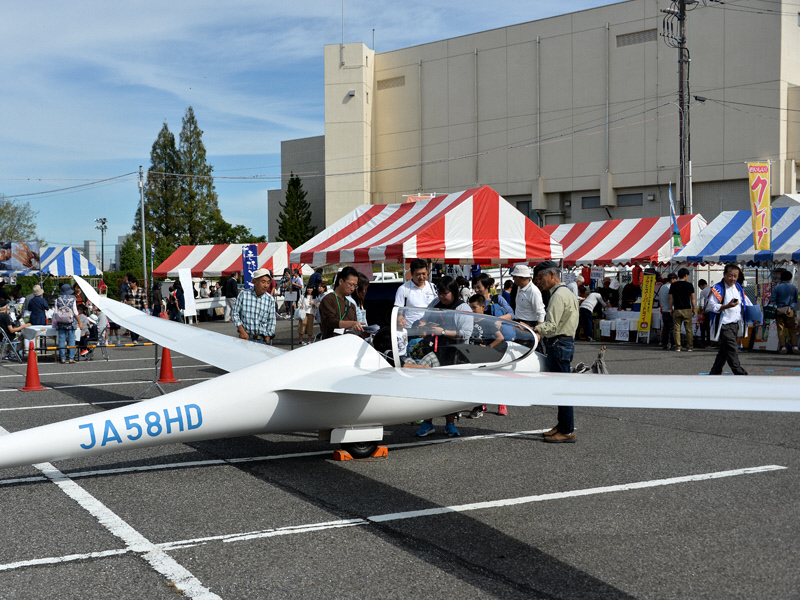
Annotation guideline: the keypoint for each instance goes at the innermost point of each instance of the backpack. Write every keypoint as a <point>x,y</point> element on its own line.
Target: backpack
<point>63,314</point>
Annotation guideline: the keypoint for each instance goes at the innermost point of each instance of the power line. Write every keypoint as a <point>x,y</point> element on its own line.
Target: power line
<point>702,99</point>
<point>68,189</point>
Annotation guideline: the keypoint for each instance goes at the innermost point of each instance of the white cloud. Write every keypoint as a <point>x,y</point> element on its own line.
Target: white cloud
<point>87,85</point>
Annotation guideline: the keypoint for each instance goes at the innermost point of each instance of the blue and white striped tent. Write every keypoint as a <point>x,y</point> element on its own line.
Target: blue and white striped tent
<point>61,261</point>
<point>729,238</point>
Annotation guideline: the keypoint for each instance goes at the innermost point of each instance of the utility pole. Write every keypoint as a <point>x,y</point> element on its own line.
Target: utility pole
<point>144,247</point>
<point>677,12</point>
<point>102,227</point>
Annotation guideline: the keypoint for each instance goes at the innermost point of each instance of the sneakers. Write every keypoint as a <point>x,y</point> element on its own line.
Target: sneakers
<point>782,351</point>
<point>475,414</point>
<point>427,429</point>
<point>450,429</point>
<point>690,350</point>
<point>677,349</point>
<point>561,438</point>
<point>84,352</point>
<point>502,410</point>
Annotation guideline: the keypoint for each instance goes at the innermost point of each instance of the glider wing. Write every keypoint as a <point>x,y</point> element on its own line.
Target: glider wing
<point>226,352</point>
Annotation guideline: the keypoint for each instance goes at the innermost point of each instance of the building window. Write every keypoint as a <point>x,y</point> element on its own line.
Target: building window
<point>629,199</point>
<point>524,207</point>
<point>590,202</point>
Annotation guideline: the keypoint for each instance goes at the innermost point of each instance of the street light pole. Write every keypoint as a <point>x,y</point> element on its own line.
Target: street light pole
<point>144,248</point>
<point>102,227</point>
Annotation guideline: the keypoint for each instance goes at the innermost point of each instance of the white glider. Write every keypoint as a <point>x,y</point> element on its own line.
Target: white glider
<point>345,388</point>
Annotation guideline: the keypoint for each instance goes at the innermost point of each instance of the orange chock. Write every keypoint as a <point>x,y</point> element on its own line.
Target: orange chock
<point>165,375</point>
<point>32,383</point>
<point>381,452</point>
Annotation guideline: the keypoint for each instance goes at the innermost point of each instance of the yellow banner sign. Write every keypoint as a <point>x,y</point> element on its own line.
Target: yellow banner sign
<point>646,312</point>
<point>760,205</point>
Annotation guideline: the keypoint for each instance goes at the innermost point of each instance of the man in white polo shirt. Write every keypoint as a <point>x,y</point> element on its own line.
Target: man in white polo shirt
<point>530,306</point>
<point>417,293</point>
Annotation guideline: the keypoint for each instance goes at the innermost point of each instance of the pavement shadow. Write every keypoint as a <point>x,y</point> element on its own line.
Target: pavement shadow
<point>458,544</point>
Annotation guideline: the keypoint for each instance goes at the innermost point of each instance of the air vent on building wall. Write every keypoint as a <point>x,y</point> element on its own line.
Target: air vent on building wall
<point>385,84</point>
<point>640,37</point>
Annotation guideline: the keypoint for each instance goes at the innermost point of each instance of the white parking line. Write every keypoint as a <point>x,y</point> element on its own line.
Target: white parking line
<point>43,374</point>
<point>414,514</point>
<point>168,567</point>
<point>133,540</point>
<point>91,385</point>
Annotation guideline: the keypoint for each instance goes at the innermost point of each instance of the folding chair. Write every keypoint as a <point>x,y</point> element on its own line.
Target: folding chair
<point>8,348</point>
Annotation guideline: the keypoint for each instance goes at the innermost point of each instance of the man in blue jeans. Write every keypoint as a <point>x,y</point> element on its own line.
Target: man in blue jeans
<point>558,330</point>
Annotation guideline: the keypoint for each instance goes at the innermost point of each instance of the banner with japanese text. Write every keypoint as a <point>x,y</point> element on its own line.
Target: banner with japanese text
<point>249,264</point>
<point>646,311</point>
<point>760,205</point>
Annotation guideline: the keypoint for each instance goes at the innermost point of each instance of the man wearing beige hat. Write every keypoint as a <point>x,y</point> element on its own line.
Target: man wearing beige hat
<point>530,306</point>
<point>558,333</point>
<point>254,311</point>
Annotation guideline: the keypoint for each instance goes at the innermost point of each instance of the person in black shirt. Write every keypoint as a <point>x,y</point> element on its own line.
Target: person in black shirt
<point>231,291</point>
<point>7,325</point>
<point>610,295</point>
<point>682,307</point>
<point>630,294</point>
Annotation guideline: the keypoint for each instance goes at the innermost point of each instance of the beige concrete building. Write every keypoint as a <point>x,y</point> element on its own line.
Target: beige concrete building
<point>572,118</point>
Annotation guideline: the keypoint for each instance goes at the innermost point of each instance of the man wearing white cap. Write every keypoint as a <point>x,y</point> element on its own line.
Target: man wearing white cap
<point>254,311</point>
<point>530,306</point>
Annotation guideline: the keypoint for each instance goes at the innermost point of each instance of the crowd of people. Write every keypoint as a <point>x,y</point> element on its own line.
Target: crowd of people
<point>536,297</point>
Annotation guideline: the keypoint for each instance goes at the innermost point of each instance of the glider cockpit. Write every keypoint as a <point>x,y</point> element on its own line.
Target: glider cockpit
<point>435,338</point>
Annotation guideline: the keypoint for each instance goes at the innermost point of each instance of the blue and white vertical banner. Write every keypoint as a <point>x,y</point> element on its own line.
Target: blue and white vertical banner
<point>249,264</point>
<point>677,242</point>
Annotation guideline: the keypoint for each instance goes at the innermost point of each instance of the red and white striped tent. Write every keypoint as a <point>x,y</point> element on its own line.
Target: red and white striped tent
<point>623,241</point>
<point>222,259</point>
<point>472,227</point>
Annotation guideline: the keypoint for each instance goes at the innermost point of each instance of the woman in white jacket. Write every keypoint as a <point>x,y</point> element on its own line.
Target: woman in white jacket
<point>308,304</point>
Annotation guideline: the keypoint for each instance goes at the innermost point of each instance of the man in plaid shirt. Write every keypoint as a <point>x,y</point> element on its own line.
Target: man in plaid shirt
<point>254,311</point>
<point>136,297</point>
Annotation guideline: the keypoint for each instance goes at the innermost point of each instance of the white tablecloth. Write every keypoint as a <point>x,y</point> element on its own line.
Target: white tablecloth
<point>35,331</point>
<point>613,314</point>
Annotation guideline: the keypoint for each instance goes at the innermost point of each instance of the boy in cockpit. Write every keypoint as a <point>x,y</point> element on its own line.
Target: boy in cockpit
<point>482,329</point>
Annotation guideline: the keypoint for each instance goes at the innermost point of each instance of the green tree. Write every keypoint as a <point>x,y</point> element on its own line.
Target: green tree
<point>17,221</point>
<point>130,257</point>
<point>199,198</point>
<point>165,218</point>
<point>294,220</point>
<point>180,203</point>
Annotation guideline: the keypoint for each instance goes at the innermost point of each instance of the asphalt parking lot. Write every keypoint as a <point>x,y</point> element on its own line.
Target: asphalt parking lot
<point>647,504</point>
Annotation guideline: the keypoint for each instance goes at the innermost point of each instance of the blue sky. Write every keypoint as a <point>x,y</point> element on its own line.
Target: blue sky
<point>88,85</point>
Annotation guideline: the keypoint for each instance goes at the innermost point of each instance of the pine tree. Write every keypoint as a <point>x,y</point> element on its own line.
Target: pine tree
<point>165,217</point>
<point>199,198</point>
<point>294,220</point>
<point>180,203</point>
<point>130,256</point>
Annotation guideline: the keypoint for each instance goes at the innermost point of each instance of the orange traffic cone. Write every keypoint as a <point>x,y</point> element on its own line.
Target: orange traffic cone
<point>166,376</point>
<point>32,383</point>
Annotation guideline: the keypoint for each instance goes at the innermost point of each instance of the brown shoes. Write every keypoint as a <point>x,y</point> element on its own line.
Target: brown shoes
<point>553,431</point>
<point>561,438</point>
